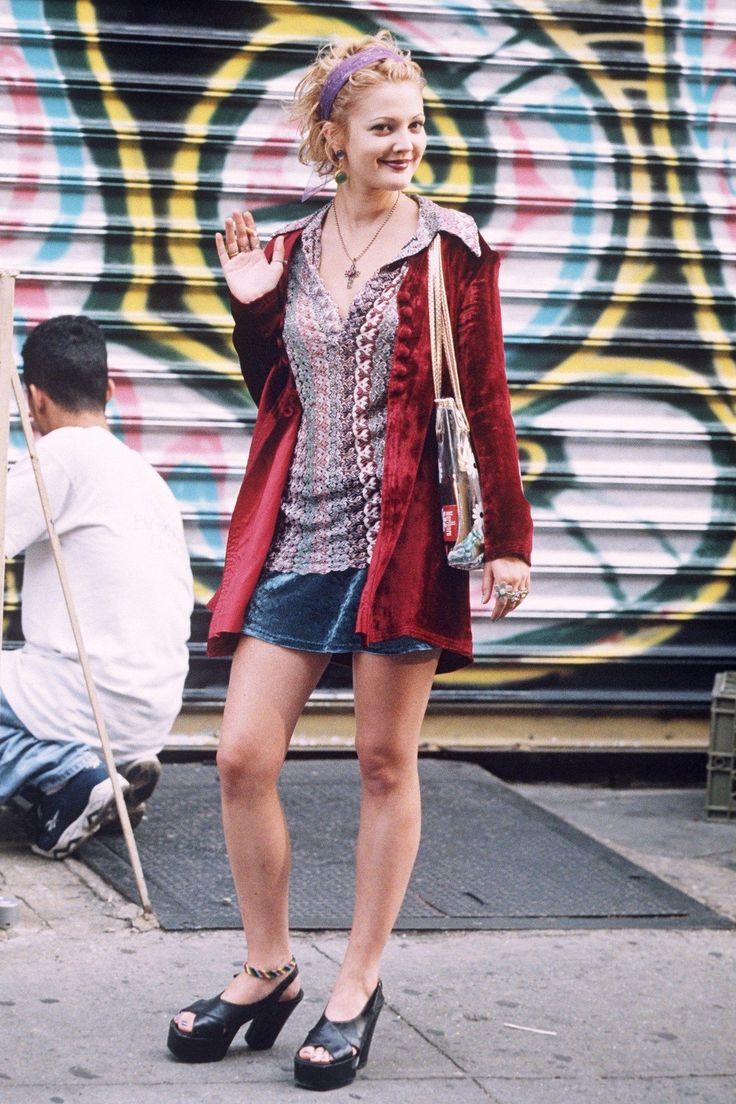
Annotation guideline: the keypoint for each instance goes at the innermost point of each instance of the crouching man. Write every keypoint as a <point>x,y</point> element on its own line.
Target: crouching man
<point>123,545</point>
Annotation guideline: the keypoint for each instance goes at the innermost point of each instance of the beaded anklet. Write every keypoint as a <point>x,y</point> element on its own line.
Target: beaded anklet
<point>281,971</point>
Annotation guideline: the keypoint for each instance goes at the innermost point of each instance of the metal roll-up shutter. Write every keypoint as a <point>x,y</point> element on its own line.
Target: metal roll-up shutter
<point>593,145</point>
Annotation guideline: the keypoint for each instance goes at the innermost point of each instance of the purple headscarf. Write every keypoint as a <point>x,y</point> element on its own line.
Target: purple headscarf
<point>347,66</point>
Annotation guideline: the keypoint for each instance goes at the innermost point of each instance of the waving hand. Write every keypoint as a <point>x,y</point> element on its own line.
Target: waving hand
<point>249,275</point>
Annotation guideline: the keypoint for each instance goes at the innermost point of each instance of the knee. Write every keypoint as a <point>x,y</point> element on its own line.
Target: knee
<point>383,771</point>
<point>245,770</point>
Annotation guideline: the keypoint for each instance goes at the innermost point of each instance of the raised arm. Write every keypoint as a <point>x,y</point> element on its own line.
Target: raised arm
<point>252,276</point>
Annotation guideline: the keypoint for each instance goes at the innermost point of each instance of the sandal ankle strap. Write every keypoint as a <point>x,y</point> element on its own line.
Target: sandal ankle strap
<point>269,975</point>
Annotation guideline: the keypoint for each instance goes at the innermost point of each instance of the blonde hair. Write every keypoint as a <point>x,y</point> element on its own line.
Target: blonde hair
<point>305,109</point>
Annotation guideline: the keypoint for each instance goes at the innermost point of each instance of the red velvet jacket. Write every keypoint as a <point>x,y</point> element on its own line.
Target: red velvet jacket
<point>410,588</point>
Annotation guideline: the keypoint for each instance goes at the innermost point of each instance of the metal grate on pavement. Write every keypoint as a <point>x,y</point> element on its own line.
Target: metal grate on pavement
<point>489,858</point>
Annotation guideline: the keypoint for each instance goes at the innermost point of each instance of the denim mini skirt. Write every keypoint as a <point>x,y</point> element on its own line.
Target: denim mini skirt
<point>316,613</point>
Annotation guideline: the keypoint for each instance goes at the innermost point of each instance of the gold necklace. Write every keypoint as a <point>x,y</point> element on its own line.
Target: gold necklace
<point>352,273</point>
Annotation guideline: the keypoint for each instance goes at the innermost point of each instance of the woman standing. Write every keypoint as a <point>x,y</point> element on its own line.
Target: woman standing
<point>336,545</point>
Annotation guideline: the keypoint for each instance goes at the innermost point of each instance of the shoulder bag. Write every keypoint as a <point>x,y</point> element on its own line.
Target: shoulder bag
<point>460,497</point>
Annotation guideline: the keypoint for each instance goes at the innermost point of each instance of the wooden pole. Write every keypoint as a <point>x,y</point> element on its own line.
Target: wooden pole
<point>7,290</point>
<point>11,371</point>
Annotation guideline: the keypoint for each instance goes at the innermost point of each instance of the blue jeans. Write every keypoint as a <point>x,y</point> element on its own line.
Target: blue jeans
<point>26,761</point>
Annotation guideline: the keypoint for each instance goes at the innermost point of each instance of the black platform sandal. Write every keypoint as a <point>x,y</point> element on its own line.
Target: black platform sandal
<point>347,1041</point>
<point>218,1021</point>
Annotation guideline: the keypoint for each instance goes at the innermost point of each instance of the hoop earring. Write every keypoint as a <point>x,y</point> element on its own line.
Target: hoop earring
<point>340,176</point>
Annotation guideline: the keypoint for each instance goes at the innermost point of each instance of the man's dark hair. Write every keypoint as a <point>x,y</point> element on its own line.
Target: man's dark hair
<point>67,358</point>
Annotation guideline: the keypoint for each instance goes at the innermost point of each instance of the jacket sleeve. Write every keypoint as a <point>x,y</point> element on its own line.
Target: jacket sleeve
<point>485,393</point>
<point>257,334</point>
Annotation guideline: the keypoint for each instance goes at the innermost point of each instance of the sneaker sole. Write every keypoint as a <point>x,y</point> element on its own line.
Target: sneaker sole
<point>142,778</point>
<point>111,825</point>
<point>101,800</point>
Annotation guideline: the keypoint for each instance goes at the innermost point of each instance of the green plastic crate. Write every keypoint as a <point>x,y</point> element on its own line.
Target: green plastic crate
<point>720,803</point>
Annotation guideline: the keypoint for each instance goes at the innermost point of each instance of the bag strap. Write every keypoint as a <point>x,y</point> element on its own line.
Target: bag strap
<point>440,328</point>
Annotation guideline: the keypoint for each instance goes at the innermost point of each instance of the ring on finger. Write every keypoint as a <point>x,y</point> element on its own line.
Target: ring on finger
<point>503,591</point>
<point>508,593</point>
<point>233,252</point>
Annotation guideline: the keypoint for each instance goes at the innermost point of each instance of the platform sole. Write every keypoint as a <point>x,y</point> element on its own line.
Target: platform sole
<point>323,1076</point>
<point>188,1048</point>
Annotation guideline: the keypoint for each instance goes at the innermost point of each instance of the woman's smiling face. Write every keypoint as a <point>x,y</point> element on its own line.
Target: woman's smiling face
<point>384,139</point>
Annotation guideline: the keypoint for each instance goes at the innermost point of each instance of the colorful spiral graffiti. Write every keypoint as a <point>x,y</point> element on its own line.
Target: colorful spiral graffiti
<point>594,146</point>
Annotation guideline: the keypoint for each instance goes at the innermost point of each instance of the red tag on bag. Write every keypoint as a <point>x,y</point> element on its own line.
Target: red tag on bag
<point>449,523</point>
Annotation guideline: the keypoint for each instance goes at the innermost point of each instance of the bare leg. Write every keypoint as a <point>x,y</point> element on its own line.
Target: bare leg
<point>391,695</point>
<point>268,688</point>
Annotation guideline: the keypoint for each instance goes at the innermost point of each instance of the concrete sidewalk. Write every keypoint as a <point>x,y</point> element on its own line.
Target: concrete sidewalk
<point>581,1017</point>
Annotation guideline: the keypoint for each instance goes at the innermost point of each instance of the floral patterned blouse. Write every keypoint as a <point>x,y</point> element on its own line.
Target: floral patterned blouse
<point>331,508</point>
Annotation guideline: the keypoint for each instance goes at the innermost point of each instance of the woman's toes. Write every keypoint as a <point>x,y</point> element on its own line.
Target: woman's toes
<point>184,1021</point>
<point>315,1054</point>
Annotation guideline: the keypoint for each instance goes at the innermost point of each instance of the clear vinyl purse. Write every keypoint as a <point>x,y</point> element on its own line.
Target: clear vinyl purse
<point>460,497</point>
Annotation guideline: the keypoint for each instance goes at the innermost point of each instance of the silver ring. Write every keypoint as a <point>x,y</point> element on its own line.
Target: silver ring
<point>507,593</point>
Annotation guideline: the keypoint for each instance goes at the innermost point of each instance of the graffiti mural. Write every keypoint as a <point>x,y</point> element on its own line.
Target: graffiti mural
<point>594,145</point>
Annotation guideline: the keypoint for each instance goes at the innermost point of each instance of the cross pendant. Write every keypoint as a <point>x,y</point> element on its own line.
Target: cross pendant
<point>351,274</point>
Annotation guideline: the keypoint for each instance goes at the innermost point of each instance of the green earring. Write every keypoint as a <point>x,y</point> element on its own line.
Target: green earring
<point>340,176</point>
